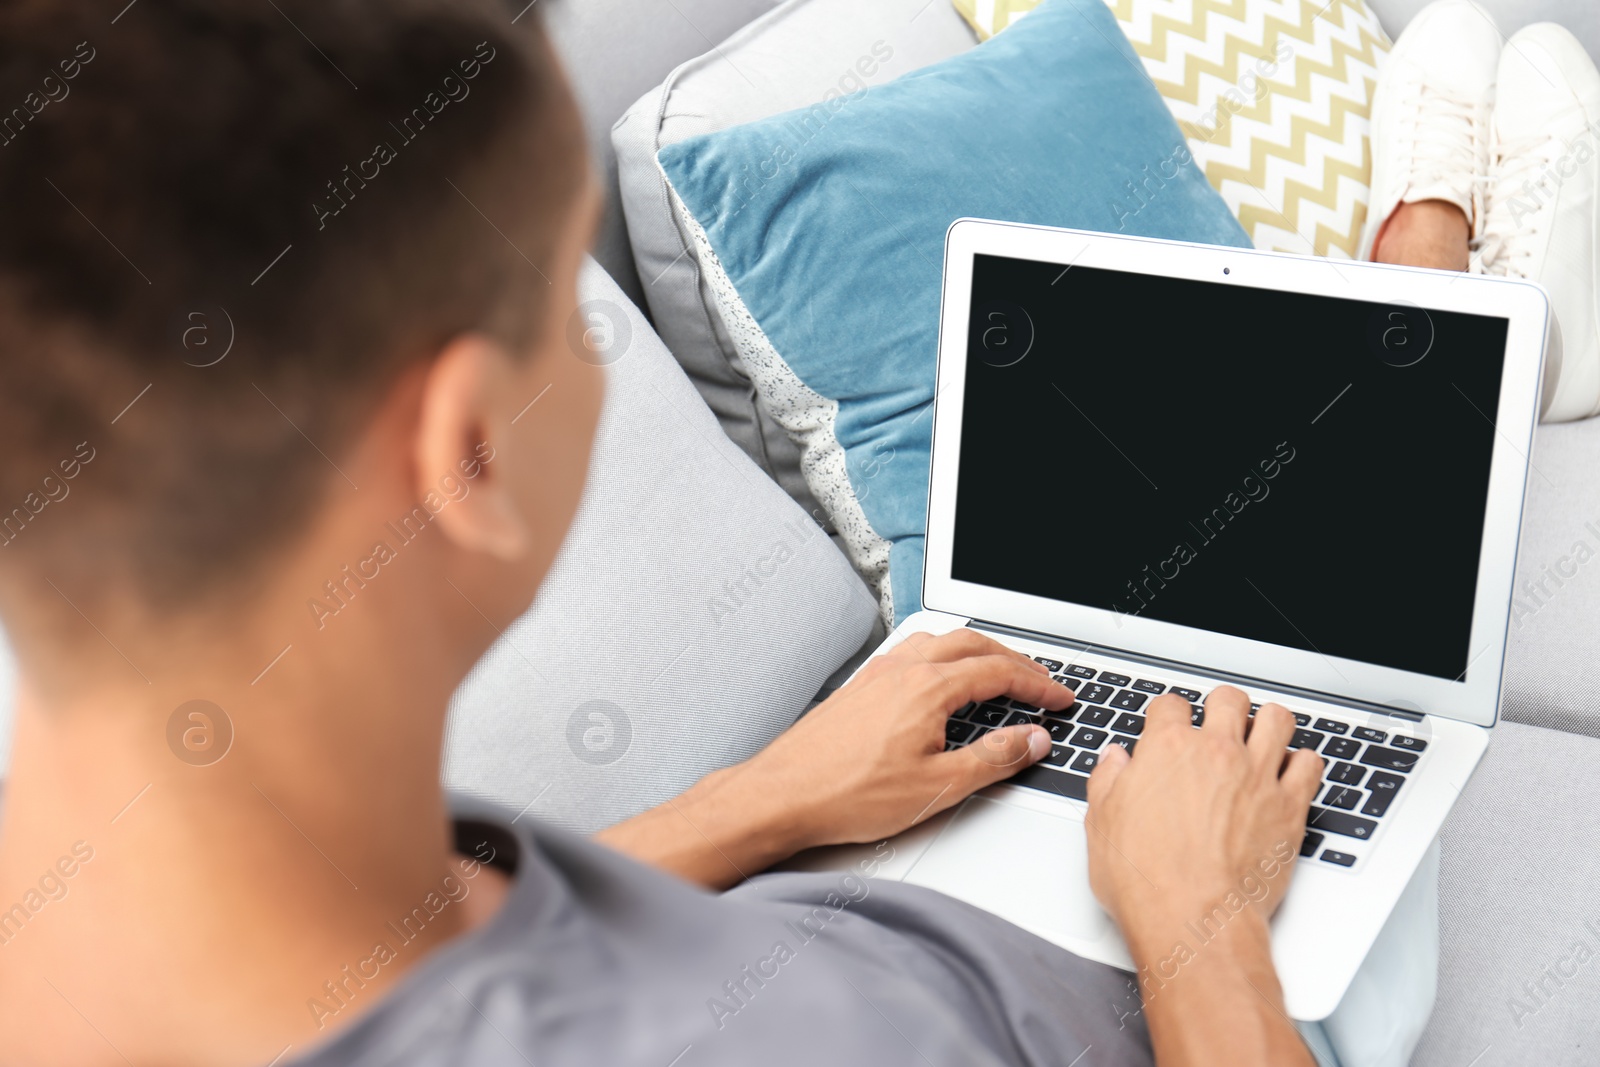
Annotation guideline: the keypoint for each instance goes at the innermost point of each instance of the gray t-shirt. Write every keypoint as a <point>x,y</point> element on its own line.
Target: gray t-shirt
<point>598,961</point>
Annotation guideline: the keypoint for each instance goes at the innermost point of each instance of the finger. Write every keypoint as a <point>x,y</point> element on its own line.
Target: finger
<point>1227,711</point>
<point>1106,773</point>
<point>959,644</point>
<point>952,685</point>
<point>1168,712</point>
<point>998,755</point>
<point>1274,728</point>
<point>1302,776</point>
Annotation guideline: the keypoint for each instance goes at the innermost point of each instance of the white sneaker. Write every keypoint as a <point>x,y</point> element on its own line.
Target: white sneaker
<point>1541,197</point>
<point>1430,114</point>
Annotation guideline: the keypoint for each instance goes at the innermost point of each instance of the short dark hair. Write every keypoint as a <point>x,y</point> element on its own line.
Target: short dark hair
<point>310,182</point>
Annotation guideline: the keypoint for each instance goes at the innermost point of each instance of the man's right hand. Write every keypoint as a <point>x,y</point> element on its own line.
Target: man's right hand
<point>1196,821</point>
<point>1199,814</point>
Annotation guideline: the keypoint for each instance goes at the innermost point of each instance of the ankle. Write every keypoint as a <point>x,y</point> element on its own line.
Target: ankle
<point>1427,233</point>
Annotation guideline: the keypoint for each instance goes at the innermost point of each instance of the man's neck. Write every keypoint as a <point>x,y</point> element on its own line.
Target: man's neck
<point>238,881</point>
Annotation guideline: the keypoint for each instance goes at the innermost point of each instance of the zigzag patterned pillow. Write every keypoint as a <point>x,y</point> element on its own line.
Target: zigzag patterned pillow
<point>1274,97</point>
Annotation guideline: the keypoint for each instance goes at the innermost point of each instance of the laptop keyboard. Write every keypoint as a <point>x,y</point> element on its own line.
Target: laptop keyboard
<point>1363,768</point>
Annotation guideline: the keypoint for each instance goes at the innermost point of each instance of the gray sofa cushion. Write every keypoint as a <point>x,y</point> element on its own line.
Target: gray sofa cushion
<point>614,50</point>
<point>1553,649</point>
<point>1519,864</point>
<point>789,59</point>
<point>692,615</point>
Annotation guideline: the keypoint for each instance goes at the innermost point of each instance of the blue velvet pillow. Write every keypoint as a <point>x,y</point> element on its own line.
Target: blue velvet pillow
<point>821,233</point>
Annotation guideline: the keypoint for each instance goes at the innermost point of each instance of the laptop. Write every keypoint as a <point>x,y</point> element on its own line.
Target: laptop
<point>1159,467</point>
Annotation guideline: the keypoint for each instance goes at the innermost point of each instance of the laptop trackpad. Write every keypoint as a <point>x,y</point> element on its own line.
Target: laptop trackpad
<point>1021,864</point>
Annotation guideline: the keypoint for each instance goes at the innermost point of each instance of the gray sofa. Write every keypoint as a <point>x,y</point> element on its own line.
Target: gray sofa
<point>1520,866</point>
<point>668,642</point>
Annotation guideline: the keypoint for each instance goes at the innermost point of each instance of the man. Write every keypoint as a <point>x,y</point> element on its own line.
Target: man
<point>311,897</point>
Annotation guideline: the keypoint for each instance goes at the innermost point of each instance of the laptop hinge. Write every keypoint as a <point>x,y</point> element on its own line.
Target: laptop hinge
<point>1241,680</point>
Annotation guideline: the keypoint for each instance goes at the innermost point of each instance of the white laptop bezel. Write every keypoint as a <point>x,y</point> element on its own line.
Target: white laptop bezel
<point>1474,698</point>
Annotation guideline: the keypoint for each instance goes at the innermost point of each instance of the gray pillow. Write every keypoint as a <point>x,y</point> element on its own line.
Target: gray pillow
<point>692,615</point>
<point>803,52</point>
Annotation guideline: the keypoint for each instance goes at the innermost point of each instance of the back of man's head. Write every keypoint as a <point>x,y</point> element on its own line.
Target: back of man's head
<point>226,226</point>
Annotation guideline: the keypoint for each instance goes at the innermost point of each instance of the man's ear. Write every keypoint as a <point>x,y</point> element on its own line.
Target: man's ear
<point>462,457</point>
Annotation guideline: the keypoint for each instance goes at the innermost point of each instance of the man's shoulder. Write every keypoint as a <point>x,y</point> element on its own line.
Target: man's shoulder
<point>595,958</point>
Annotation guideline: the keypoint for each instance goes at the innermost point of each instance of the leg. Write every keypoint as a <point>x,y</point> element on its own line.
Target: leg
<point>1430,134</point>
<point>1541,219</point>
<point>1384,1012</point>
<point>1426,233</point>
<point>1498,147</point>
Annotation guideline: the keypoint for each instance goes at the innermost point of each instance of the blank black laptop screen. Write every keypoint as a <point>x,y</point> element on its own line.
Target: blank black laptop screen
<point>1309,471</point>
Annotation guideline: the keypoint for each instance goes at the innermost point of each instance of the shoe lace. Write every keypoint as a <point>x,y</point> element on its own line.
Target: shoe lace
<point>1516,192</point>
<point>1444,131</point>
